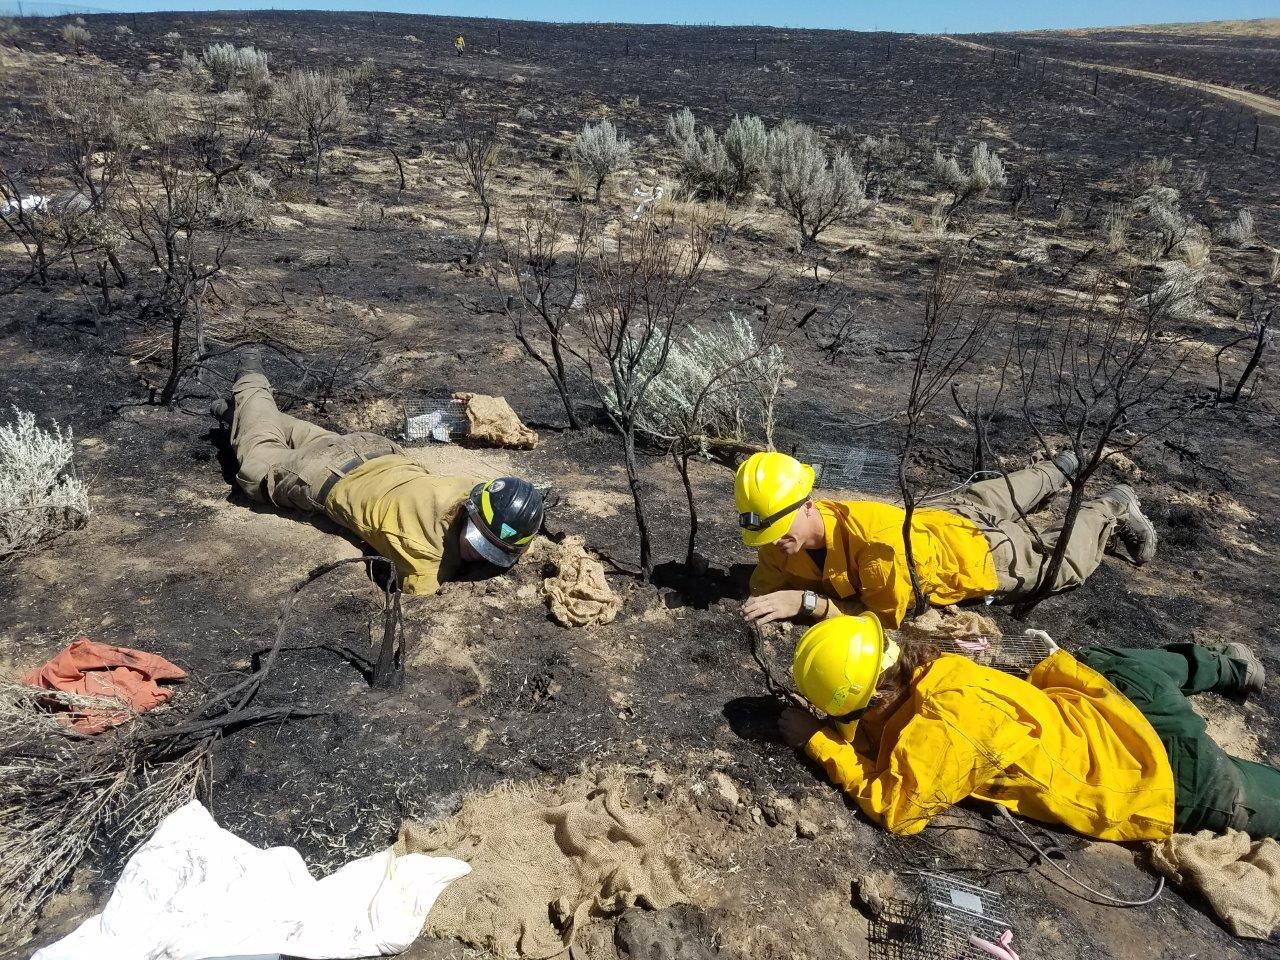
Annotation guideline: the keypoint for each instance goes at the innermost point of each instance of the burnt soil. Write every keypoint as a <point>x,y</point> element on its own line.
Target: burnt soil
<point>178,562</point>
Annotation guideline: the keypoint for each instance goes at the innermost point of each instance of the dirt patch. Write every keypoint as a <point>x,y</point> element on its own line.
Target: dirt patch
<point>597,503</point>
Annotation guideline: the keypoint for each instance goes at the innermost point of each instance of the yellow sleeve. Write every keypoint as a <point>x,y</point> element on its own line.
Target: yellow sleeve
<point>417,562</point>
<point>769,574</point>
<point>885,583</point>
<point>934,763</point>
<point>851,607</point>
<point>425,580</point>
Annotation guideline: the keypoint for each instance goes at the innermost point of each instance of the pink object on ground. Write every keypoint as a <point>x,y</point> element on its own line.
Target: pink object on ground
<point>95,669</point>
<point>1001,949</point>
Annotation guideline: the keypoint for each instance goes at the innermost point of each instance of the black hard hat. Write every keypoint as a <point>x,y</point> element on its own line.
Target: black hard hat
<point>502,517</point>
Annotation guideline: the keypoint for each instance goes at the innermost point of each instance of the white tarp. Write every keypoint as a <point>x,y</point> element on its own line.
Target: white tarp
<point>31,204</point>
<point>195,891</point>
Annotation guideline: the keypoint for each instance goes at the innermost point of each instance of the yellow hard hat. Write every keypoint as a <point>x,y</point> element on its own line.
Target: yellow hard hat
<point>838,661</point>
<point>768,489</point>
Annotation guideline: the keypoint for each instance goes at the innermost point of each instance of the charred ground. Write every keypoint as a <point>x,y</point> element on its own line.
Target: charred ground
<point>176,562</point>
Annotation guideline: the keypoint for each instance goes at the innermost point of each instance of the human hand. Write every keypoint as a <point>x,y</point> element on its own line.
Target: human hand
<point>779,605</point>
<point>797,726</point>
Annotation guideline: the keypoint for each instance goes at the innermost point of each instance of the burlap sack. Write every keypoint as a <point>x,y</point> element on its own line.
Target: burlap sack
<point>1239,877</point>
<point>949,623</point>
<point>544,860</point>
<point>579,595</point>
<point>491,420</point>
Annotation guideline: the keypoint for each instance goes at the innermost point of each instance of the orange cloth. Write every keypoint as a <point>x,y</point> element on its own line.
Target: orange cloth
<point>97,670</point>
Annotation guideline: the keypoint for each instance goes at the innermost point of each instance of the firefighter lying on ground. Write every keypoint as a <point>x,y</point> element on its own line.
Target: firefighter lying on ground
<point>1103,741</point>
<point>428,525</point>
<point>821,558</point>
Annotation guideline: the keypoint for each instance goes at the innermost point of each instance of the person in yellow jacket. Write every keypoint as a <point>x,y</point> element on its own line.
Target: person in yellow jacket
<point>1103,742</point>
<point>459,44</point>
<point>428,525</point>
<point>821,558</point>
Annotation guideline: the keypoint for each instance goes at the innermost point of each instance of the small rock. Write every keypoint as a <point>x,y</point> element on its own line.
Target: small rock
<point>806,829</point>
<point>722,793</point>
<point>872,892</point>
<point>757,815</point>
<point>779,811</point>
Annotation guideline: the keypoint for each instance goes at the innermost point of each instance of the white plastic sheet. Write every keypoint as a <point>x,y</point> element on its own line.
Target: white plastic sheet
<point>32,204</point>
<point>195,891</point>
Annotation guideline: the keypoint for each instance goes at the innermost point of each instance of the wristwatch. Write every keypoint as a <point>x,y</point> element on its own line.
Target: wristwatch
<point>809,602</point>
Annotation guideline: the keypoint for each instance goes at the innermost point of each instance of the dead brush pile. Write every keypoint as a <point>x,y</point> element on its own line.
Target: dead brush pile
<point>63,794</point>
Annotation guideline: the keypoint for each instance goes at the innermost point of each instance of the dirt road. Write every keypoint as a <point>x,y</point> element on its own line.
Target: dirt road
<point>1267,106</point>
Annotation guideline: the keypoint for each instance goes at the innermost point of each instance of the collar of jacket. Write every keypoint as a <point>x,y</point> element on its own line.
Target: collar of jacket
<point>835,570</point>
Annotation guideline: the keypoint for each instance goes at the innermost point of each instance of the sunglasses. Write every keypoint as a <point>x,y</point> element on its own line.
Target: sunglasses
<point>755,523</point>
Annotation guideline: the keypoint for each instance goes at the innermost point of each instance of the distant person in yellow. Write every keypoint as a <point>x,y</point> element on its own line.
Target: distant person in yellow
<point>459,44</point>
<point>1104,742</point>
<point>820,558</point>
<point>428,525</point>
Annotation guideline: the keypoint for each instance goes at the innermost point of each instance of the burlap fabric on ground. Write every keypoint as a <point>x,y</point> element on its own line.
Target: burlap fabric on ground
<point>492,421</point>
<point>579,595</point>
<point>1239,877</point>
<point>949,623</point>
<point>544,860</point>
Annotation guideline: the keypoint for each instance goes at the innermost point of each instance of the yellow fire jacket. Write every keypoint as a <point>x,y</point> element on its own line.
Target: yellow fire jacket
<point>1063,746</point>
<point>866,559</point>
<point>406,513</point>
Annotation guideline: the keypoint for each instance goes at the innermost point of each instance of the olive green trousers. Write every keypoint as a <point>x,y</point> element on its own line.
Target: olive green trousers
<point>997,508</point>
<point>1212,790</point>
<point>284,460</point>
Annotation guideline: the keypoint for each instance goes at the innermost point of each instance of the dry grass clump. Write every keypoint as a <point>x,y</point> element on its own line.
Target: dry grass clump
<point>1116,227</point>
<point>76,36</point>
<point>40,497</point>
<point>1240,231</point>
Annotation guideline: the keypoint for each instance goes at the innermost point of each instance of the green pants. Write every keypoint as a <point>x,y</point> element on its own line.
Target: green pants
<point>1212,791</point>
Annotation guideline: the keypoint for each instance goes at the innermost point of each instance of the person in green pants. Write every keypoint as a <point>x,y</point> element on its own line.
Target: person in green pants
<point>1102,741</point>
<point>1212,790</point>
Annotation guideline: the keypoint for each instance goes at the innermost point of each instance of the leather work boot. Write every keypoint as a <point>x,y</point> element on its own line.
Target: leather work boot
<point>250,361</point>
<point>221,411</point>
<point>1135,531</point>
<point>1255,674</point>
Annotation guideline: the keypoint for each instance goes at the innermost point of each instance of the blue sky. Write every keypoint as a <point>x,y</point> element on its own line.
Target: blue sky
<point>920,16</point>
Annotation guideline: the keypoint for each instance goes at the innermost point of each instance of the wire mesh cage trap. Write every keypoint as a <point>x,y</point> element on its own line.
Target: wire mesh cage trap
<point>1018,655</point>
<point>433,418</point>
<point>847,466</point>
<point>949,919</point>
